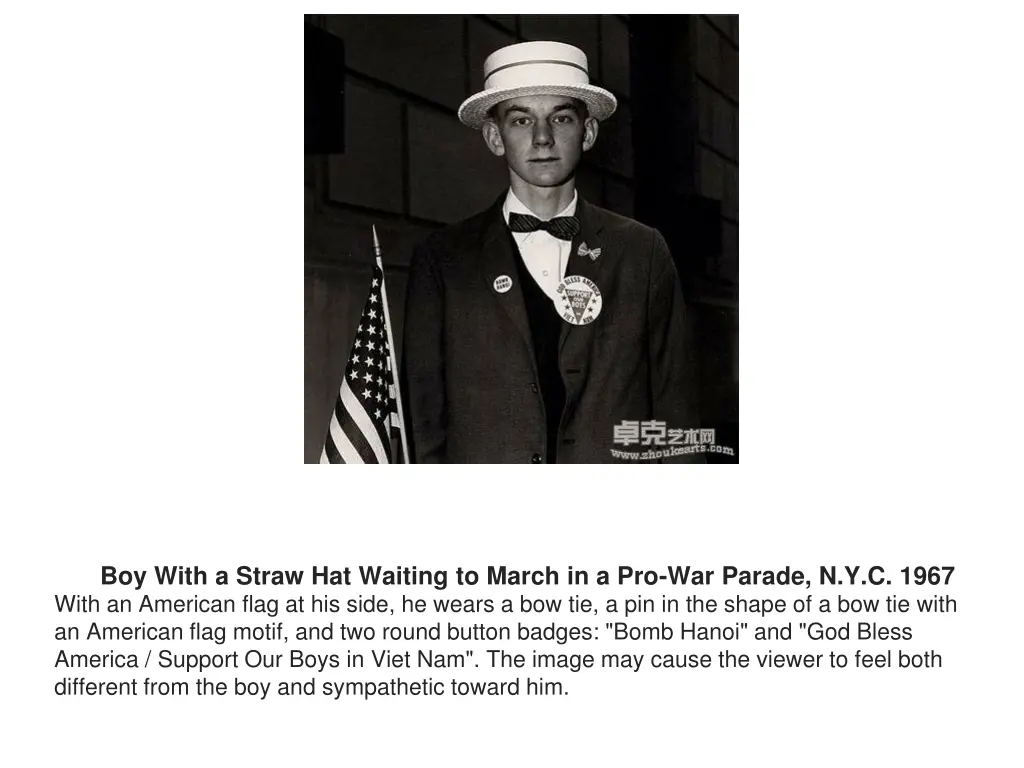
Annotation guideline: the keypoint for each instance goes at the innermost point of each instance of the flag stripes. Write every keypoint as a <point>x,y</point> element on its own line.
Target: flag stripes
<point>360,425</point>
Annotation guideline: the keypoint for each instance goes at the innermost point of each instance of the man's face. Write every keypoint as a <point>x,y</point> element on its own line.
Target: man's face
<point>541,137</point>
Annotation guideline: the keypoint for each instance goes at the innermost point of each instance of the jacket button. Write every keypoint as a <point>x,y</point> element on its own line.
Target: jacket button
<point>533,387</point>
<point>537,459</point>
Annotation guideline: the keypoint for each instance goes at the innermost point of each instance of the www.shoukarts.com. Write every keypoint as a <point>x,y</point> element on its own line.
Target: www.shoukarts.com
<point>670,452</point>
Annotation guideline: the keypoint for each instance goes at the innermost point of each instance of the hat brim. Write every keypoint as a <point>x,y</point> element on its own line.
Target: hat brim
<point>600,103</point>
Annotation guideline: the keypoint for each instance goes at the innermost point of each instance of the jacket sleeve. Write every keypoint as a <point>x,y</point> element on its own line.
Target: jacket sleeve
<point>423,359</point>
<point>672,363</point>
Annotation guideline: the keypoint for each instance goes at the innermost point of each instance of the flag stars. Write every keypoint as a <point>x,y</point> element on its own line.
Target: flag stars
<point>373,313</point>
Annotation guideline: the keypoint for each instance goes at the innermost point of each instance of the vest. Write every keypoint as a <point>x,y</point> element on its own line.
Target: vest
<point>546,330</point>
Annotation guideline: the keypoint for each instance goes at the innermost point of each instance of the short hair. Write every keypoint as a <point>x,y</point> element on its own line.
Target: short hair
<point>584,110</point>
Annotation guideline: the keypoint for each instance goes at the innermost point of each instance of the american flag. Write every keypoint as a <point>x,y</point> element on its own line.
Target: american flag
<point>367,416</point>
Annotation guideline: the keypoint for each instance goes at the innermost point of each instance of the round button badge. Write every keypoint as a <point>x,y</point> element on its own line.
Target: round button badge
<point>579,300</point>
<point>503,283</point>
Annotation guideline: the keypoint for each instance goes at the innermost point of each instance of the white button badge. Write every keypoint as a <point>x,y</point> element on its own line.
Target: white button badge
<point>579,300</point>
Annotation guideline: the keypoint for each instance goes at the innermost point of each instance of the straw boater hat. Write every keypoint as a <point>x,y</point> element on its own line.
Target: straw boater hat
<point>536,69</point>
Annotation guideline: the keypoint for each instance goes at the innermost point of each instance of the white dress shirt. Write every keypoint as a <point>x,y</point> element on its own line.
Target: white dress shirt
<point>544,254</point>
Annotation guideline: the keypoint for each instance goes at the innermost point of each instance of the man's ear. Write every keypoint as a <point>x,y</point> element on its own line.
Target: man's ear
<point>589,133</point>
<point>492,138</point>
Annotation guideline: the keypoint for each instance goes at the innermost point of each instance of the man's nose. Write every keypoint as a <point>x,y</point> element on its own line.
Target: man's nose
<point>542,134</point>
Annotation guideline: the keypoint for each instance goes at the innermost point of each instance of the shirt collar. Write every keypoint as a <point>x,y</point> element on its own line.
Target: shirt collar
<point>514,205</point>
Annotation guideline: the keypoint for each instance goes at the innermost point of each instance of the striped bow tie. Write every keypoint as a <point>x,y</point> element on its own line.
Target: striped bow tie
<point>563,227</point>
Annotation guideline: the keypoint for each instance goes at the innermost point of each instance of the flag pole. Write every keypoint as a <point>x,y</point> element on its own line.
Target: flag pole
<point>391,345</point>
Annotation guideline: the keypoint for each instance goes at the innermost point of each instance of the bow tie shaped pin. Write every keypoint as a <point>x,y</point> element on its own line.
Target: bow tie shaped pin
<point>593,253</point>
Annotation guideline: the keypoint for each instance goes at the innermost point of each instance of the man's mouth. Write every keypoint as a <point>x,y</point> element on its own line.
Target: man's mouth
<point>544,160</point>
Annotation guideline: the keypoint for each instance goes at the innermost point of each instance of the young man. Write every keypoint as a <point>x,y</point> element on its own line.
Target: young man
<point>537,328</point>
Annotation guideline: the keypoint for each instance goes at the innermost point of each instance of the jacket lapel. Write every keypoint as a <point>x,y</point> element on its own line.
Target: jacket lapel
<point>498,258</point>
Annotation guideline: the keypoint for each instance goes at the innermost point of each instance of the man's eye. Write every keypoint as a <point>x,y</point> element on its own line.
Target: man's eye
<point>563,119</point>
<point>521,121</point>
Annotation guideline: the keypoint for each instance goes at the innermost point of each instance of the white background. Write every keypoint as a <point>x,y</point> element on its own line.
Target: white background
<point>152,323</point>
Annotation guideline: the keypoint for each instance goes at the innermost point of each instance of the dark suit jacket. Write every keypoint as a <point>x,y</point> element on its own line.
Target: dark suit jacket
<point>471,380</point>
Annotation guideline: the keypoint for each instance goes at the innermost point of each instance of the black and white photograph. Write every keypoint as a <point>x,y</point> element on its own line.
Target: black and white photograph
<point>521,239</point>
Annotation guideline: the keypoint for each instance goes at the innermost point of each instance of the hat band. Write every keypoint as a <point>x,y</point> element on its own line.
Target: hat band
<point>556,62</point>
